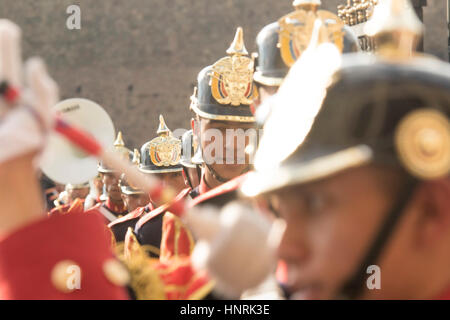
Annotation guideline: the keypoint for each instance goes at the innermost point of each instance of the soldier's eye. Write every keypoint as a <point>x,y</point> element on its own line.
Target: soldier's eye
<point>272,205</point>
<point>315,203</point>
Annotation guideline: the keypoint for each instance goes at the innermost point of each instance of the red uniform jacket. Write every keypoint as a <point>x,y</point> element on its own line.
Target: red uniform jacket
<point>38,260</point>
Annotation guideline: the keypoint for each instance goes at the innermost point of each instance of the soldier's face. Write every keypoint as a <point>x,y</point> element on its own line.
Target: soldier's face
<point>330,226</point>
<point>112,188</point>
<point>174,180</point>
<point>224,143</point>
<point>134,201</point>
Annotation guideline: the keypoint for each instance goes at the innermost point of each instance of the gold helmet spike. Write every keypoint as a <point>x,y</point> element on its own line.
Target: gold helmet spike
<point>396,27</point>
<point>119,140</point>
<point>120,148</point>
<point>238,46</point>
<point>162,129</point>
<point>136,157</point>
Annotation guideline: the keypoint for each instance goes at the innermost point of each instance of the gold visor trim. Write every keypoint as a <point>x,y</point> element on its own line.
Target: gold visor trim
<point>221,117</point>
<point>267,81</point>
<point>169,170</point>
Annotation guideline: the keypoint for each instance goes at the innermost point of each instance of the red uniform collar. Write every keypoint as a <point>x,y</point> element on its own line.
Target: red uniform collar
<point>162,209</point>
<point>226,187</point>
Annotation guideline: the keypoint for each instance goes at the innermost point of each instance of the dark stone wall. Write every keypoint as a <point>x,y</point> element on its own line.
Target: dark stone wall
<point>140,58</point>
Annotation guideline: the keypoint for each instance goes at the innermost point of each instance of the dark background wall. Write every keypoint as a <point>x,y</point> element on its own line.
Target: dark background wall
<point>140,58</point>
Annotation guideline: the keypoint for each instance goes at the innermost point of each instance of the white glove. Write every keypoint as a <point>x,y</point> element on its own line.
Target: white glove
<point>237,246</point>
<point>23,127</point>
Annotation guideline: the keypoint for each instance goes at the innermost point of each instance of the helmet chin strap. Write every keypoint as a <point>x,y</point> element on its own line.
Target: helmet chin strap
<point>354,286</point>
<point>186,176</point>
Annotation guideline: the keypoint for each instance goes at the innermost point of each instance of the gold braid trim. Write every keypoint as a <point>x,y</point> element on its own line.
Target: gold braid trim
<point>145,280</point>
<point>179,226</point>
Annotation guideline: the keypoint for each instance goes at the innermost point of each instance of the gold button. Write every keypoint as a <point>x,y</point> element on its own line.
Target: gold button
<point>66,276</point>
<point>116,272</point>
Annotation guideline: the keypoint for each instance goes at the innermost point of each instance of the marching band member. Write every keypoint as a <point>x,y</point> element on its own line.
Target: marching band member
<point>133,197</point>
<point>220,110</point>
<point>36,251</point>
<point>364,182</point>
<point>161,157</point>
<point>113,207</point>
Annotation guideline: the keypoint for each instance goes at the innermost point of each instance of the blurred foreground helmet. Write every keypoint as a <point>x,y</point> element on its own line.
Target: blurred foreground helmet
<point>225,89</point>
<point>392,109</point>
<point>121,150</point>
<point>163,153</point>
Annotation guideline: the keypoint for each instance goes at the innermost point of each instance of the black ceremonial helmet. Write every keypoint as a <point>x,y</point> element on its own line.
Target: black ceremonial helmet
<point>391,110</point>
<point>163,153</point>
<point>281,43</point>
<point>225,89</point>
<point>121,150</point>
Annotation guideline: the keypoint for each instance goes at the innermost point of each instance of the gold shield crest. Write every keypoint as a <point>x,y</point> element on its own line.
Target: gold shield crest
<point>165,151</point>
<point>296,31</point>
<point>232,77</point>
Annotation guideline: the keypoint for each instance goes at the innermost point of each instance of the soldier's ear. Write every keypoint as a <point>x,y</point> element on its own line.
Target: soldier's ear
<point>433,201</point>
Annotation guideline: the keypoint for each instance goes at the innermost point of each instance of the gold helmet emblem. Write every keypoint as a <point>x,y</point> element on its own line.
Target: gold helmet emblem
<point>423,144</point>
<point>165,150</point>
<point>296,29</point>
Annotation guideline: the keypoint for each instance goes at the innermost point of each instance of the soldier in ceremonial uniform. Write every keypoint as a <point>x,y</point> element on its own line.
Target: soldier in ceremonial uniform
<point>77,191</point>
<point>113,207</point>
<point>160,156</point>
<point>38,254</point>
<point>221,103</point>
<point>363,183</point>
<point>133,197</point>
